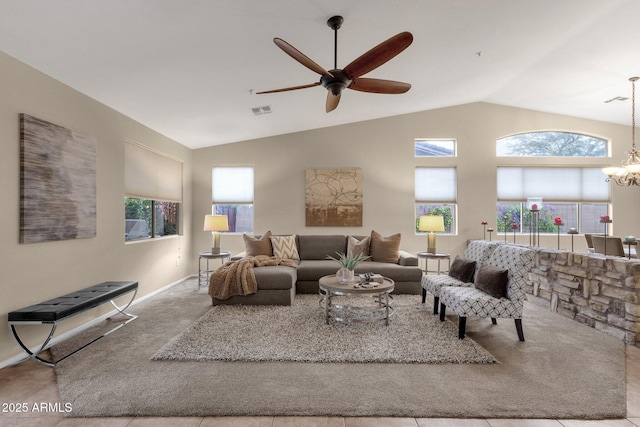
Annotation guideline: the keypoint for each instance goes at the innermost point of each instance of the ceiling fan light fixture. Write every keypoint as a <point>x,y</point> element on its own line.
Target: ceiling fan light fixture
<point>336,88</point>
<point>336,82</point>
<point>628,173</point>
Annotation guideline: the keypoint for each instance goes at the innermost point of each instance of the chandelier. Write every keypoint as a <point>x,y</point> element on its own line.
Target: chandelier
<point>628,173</point>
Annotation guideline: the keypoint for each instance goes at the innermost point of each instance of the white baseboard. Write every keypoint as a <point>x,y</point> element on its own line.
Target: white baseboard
<point>22,357</point>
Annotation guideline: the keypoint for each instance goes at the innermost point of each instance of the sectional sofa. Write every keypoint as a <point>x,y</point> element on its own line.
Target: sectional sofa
<point>279,284</point>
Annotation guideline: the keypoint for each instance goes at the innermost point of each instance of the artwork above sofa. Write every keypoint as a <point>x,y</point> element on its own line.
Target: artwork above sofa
<point>279,284</point>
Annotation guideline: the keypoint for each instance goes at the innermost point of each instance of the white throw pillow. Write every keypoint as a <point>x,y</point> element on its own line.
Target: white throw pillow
<point>285,247</point>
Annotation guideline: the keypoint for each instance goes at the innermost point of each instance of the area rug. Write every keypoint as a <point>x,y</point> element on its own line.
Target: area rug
<point>299,333</point>
<point>562,370</point>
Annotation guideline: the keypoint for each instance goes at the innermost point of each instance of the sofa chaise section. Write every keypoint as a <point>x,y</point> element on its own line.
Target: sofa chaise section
<point>276,286</point>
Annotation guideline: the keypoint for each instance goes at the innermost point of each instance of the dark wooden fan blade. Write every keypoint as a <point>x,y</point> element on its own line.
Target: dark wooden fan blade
<point>300,57</point>
<point>289,88</point>
<point>332,101</point>
<point>378,55</point>
<point>379,86</point>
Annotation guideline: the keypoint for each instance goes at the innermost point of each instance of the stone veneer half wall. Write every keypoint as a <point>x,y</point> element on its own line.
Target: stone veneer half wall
<point>597,291</point>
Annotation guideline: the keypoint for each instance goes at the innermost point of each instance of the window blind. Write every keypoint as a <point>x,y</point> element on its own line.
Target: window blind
<point>553,184</point>
<point>149,174</point>
<point>435,185</point>
<point>232,185</point>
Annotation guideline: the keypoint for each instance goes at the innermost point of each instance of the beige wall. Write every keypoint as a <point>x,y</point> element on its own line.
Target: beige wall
<point>384,150</point>
<point>34,272</point>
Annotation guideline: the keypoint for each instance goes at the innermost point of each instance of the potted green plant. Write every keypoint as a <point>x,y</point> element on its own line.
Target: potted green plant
<point>348,263</point>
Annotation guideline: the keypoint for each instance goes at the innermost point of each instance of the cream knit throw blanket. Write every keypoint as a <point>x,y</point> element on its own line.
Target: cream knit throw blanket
<point>237,277</point>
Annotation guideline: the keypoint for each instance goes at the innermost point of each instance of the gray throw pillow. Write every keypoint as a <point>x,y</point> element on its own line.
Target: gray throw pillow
<point>255,246</point>
<point>462,269</point>
<point>492,281</point>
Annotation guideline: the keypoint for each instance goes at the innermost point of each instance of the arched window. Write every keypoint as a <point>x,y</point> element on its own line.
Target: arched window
<point>578,195</point>
<point>551,144</point>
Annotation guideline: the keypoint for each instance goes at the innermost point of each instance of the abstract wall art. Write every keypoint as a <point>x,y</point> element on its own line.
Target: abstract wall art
<point>57,182</point>
<point>333,197</point>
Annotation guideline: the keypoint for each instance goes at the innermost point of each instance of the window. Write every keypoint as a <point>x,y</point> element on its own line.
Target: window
<point>577,195</point>
<point>232,195</point>
<point>544,144</point>
<point>153,193</point>
<point>435,194</point>
<point>435,147</point>
<point>145,218</point>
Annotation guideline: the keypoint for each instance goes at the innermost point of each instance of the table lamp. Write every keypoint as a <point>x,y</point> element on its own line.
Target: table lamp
<point>214,224</point>
<point>431,223</point>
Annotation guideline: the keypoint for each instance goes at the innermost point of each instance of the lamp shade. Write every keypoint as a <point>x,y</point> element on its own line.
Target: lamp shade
<point>216,223</point>
<point>431,223</point>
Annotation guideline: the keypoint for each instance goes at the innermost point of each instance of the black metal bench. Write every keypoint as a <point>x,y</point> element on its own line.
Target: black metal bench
<point>53,311</point>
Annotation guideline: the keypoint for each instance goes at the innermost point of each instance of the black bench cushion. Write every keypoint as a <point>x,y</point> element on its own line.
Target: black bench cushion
<point>73,303</point>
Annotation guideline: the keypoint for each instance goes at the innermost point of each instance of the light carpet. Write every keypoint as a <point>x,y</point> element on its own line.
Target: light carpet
<point>299,333</point>
<point>562,370</point>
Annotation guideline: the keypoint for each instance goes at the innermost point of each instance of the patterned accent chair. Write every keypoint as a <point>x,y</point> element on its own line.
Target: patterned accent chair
<point>478,250</point>
<point>472,302</point>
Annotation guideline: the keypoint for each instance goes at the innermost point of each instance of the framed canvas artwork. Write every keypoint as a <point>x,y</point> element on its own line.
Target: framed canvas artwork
<point>333,197</point>
<point>57,182</point>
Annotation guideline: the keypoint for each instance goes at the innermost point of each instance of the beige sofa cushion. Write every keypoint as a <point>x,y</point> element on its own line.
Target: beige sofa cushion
<point>384,249</point>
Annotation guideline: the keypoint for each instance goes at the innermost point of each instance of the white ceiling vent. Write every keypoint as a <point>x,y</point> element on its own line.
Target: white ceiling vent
<point>265,109</point>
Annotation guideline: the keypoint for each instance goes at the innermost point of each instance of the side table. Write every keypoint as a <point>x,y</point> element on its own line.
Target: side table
<point>203,275</point>
<point>438,257</point>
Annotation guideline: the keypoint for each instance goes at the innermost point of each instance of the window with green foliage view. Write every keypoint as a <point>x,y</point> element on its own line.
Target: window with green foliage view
<point>145,218</point>
<point>576,195</point>
<point>436,194</point>
<point>447,211</point>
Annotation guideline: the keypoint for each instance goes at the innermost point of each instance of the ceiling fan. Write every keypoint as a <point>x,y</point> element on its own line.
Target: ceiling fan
<point>336,80</point>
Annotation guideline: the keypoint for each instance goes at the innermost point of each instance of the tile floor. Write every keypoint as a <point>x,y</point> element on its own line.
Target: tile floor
<point>32,383</point>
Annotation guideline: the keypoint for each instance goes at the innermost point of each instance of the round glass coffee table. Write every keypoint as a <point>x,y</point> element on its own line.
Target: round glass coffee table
<point>381,309</point>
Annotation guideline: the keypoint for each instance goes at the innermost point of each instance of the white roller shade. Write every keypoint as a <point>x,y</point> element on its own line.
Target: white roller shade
<point>151,175</point>
<point>232,185</point>
<point>553,184</point>
<point>435,185</point>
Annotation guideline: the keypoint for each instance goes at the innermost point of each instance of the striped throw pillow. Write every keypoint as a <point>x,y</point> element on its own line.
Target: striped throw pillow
<point>285,247</point>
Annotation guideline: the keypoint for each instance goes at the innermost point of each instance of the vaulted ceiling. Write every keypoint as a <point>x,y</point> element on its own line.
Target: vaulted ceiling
<point>190,69</point>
